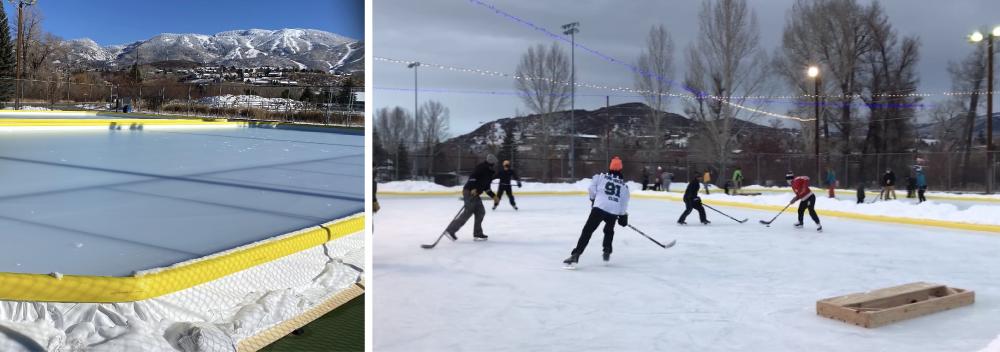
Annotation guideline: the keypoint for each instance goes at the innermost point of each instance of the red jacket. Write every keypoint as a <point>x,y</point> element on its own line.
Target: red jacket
<point>800,185</point>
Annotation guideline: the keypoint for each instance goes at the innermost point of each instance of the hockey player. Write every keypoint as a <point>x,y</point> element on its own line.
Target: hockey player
<point>505,175</point>
<point>659,179</point>
<point>609,197</point>
<point>478,182</point>
<point>860,192</point>
<point>707,179</point>
<point>831,181</point>
<point>692,201</point>
<point>800,185</point>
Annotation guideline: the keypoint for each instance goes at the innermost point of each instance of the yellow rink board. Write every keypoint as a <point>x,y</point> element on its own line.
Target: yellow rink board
<point>834,213</point>
<point>105,289</point>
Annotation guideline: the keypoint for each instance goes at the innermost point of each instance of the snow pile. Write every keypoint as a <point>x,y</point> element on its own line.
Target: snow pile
<point>932,210</point>
<point>993,346</point>
<point>212,316</point>
<point>29,107</point>
<point>250,101</point>
<point>93,106</point>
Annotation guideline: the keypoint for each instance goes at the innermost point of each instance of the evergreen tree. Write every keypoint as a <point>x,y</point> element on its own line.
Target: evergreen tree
<point>508,151</point>
<point>345,91</point>
<point>403,162</point>
<point>7,60</point>
<point>307,95</point>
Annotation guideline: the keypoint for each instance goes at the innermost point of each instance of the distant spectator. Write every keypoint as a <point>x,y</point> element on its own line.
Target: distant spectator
<point>707,179</point>
<point>889,184</point>
<point>659,178</point>
<point>645,177</point>
<point>831,181</point>
<point>921,184</point>
<point>737,180</point>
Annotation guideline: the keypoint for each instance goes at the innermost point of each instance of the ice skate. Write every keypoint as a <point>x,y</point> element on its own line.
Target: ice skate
<point>606,256</point>
<point>798,225</point>
<point>451,236</point>
<point>681,223</point>
<point>570,263</point>
<point>706,222</point>
<point>479,237</point>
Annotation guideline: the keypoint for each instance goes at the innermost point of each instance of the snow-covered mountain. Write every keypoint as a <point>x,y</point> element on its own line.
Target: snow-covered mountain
<point>301,48</point>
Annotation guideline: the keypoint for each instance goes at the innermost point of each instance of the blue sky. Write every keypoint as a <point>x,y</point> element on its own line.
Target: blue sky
<point>123,21</point>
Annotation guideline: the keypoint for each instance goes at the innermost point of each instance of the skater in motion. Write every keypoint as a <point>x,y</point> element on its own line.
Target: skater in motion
<point>692,201</point>
<point>505,175</point>
<point>800,185</point>
<point>609,196</point>
<point>478,182</point>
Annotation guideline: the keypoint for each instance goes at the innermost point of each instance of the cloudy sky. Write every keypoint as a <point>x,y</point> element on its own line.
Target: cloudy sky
<point>462,33</point>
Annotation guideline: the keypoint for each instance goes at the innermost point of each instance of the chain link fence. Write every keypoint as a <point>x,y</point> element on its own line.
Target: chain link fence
<point>450,164</point>
<point>330,105</point>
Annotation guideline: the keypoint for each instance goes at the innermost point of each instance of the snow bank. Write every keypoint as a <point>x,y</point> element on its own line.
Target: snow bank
<point>28,107</point>
<point>993,346</point>
<point>250,101</point>
<point>975,214</point>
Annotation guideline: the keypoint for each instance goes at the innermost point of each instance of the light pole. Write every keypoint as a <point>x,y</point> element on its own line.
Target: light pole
<point>416,113</point>
<point>571,29</point>
<point>813,73</point>
<point>975,38</point>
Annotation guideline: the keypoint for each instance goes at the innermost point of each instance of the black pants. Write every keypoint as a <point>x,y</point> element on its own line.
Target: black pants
<point>505,188</point>
<point>696,205</point>
<point>473,206</point>
<point>920,193</point>
<point>808,203</point>
<point>597,216</point>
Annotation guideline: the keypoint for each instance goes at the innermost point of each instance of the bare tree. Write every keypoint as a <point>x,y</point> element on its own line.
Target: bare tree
<point>725,66</point>
<point>889,76</point>
<point>543,76</point>
<point>394,126</point>
<point>656,63</point>
<point>433,128</point>
<point>969,75</point>
<point>834,35</point>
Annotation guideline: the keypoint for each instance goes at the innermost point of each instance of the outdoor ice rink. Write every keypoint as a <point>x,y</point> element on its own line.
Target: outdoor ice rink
<point>723,287</point>
<point>111,202</point>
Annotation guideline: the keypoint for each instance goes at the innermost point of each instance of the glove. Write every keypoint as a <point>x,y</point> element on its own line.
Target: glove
<point>518,184</point>
<point>623,220</point>
<point>696,199</point>
<point>591,202</point>
<point>375,207</point>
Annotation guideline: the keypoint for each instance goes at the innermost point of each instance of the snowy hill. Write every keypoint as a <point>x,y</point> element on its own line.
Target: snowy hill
<point>298,48</point>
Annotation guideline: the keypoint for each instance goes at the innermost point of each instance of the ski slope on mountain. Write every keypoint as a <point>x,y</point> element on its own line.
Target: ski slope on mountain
<point>723,287</point>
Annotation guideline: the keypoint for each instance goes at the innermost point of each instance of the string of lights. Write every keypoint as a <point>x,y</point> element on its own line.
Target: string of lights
<point>640,93</point>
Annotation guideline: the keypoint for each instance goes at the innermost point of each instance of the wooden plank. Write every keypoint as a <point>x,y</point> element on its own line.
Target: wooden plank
<point>880,307</point>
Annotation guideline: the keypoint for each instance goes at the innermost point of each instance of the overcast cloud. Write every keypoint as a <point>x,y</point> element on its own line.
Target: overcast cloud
<point>461,33</point>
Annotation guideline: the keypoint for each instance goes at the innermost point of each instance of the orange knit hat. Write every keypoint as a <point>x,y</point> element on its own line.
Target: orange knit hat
<point>616,164</point>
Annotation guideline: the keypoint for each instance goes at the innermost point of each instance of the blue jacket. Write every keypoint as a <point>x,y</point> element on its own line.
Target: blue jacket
<point>831,177</point>
<point>921,180</point>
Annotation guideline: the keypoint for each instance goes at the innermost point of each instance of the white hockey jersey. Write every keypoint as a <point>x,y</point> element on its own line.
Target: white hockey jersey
<point>609,193</point>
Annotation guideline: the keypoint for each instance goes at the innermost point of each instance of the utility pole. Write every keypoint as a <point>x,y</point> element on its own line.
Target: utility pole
<point>571,30</point>
<point>416,116</point>
<point>21,55</point>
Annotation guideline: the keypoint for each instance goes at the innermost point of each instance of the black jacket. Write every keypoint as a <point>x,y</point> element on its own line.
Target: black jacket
<point>889,179</point>
<point>692,190</point>
<point>506,175</point>
<point>481,178</point>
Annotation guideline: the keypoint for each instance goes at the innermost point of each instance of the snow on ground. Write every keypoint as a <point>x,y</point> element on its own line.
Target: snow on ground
<point>983,213</point>
<point>723,287</point>
<point>250,101</point>
<point>29,107</point>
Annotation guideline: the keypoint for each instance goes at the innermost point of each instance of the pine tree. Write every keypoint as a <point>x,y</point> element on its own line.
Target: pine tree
<point>403,162</point>
<point>345,91</point>
<point>307,95</point>
<point>7,60</point>
<point>508,151</point>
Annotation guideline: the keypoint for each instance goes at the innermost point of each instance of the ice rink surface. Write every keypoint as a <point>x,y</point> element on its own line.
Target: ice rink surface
<point>723,287</point>
<point>115,201</point>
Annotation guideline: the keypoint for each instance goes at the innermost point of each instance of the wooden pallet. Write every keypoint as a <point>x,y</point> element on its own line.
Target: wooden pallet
<point>883,306</point>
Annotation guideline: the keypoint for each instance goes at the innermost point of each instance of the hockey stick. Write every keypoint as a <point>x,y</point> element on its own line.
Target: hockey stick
<point>880,193</point>
<point>768,223</point>
<point>724,214</point>
<point>668,245</point>
<point>429,246</point>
